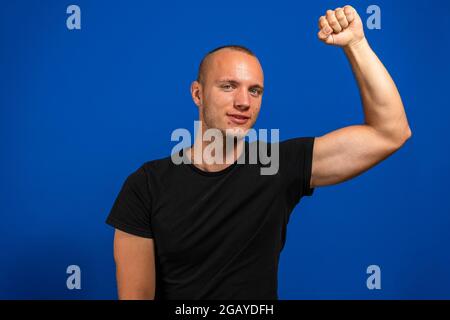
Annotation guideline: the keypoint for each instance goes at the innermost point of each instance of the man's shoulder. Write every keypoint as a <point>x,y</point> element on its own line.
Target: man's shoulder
<point>157,164</point>
<point>143,173</point>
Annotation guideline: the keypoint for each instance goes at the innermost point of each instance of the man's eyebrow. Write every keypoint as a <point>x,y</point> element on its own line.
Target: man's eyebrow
<point>257,86</point>
<point>227,80</point>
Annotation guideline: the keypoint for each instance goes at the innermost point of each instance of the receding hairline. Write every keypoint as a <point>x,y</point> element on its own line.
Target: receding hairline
<point>202,65</point>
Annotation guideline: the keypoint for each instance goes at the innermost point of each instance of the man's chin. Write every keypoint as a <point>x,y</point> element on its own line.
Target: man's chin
<point>236,132</point>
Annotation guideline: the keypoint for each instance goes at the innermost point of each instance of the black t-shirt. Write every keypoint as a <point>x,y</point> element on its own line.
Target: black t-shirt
<point>217,235</point>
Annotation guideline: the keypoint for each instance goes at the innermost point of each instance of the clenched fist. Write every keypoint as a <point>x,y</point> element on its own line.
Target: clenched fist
<point>341,27</point>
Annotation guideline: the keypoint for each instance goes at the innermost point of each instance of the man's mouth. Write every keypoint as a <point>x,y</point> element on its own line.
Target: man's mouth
<point>238,118</point>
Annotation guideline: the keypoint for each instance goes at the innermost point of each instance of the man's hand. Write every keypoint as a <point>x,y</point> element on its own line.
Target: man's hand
<point>341,27</point>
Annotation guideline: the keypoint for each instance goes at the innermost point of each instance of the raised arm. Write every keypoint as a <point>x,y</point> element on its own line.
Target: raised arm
<point>135,266</point>
<point>349,151</point>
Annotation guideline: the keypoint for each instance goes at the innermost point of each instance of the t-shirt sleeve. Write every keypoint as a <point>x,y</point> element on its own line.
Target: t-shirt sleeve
<point>132,207</point>
<point>296,166</point>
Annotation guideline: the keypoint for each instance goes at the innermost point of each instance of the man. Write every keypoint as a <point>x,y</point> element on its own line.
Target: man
<point>215,230</point>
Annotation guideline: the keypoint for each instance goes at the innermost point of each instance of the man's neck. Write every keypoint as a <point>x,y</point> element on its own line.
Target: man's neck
<point>203,153</point>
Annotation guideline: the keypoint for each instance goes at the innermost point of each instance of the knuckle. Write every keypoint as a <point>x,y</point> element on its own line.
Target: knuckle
<point>340,14</point>
<point>348,9</point>
<point>334,23</point>
<point>322,23</point>
<point>342,20</point>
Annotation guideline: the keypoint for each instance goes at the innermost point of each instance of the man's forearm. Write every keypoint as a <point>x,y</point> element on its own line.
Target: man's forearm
<point>383,107</point>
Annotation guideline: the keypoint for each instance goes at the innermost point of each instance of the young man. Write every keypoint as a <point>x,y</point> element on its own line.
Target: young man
<point>214,230</point>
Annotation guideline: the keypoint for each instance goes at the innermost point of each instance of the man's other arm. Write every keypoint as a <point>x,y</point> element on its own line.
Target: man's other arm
<point>135,266</point>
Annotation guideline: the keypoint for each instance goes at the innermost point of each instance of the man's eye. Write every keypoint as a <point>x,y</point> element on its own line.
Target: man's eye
<point>227,87</point>
<point>255,91</point>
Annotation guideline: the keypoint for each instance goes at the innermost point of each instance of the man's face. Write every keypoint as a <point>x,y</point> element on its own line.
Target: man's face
<point>230,94</point>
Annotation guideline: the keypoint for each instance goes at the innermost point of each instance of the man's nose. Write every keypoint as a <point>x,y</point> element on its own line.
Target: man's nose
<point>242,99</point>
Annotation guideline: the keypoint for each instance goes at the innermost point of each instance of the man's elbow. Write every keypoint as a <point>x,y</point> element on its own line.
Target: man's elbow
<point>406,135</point>
<point>400,137</point>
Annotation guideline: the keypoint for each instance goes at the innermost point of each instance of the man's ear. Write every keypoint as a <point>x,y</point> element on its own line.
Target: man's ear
<point>196,92</point>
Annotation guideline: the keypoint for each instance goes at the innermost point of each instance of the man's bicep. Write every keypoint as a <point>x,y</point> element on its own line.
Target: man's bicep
<point>135,266</point>
<point>345,153</point>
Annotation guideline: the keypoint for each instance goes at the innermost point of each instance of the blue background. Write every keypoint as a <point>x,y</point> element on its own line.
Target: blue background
<point>82,109</point>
